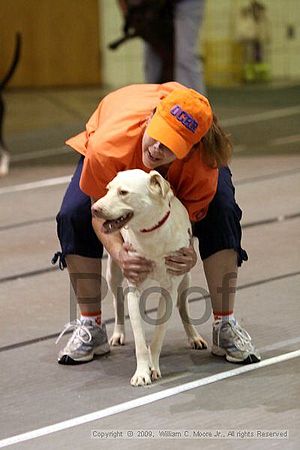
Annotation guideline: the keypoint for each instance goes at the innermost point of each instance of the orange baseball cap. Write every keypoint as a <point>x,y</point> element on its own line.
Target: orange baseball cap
<point>181,119</point>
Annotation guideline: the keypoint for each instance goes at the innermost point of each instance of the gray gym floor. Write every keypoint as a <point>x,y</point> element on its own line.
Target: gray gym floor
<point>47,406</point>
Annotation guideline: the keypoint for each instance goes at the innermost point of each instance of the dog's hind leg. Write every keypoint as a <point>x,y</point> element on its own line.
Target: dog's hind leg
<point>195,340</point>
<point>114,279</point>
<point>142,373</point>
<point>164,312</point>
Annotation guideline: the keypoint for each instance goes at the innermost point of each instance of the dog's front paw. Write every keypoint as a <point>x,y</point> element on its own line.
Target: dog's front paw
<point>118,337</point>
<point>155,373</point>
<point>154,363</point>
<point>198,343</point>
<point>141,378</point>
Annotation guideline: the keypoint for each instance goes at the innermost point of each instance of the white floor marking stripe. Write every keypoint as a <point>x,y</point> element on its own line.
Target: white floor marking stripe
<point>281,344</point>
<point>35,185</point>
<point>39,154</point>
<point>286,140</point>
<point>233,121</point>
<point>126,406</point>
<point>239,148</point>
<point>267,115</point>
<point>52,182</point>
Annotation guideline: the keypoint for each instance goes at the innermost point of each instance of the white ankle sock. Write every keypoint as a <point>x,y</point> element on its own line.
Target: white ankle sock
<point>224,317</point>
<point>95,318</point>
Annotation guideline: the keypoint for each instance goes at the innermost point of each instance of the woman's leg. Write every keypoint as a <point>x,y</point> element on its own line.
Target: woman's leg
<point>221,275</point>
<point>85,277</point>
<point>187,23</point>
<point>219,235</point>
<point>152,64</point>
<point>81,255</point>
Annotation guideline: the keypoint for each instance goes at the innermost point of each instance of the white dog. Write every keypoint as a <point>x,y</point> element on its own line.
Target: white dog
<point>143,207</point>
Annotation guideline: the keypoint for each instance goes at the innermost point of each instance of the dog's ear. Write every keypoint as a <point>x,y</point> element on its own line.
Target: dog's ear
<point>158,185</point>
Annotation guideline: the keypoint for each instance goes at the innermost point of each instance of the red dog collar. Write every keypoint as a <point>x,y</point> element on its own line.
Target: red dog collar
<point>159,224</point>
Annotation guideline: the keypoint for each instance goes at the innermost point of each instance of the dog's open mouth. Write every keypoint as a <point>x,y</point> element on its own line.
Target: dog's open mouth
<point>110,226</point>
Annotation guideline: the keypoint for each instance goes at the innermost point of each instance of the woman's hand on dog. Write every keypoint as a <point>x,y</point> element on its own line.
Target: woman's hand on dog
<point>135,268</point>
<point>181,261</point>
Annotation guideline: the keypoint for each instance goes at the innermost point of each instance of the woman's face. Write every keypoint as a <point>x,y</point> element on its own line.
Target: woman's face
<point>154,153</point>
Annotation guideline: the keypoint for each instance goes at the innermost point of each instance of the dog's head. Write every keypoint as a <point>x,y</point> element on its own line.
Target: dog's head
<point>134,197</point>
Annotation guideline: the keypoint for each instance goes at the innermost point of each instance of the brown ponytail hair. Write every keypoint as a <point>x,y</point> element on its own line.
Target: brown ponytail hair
<point>217,146</point>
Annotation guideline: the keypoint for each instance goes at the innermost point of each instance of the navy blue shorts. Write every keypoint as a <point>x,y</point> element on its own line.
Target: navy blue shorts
<point>219,230</point>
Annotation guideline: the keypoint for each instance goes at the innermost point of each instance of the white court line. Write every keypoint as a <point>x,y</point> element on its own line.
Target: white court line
<point>266,348</point>
<point>126,406</point>
<point>233,121</point>
<point>39,154</point>
<point>258,117</point>
<point>239,148</point>
<point>286,140</point>
<point>250,118</point>
<point>278,345</point>
<point>35,185</point>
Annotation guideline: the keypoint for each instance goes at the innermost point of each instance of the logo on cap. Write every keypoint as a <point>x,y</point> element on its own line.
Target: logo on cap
<point>185,118</point>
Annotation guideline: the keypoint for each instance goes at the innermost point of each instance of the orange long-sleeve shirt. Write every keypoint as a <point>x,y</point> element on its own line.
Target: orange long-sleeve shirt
<point>112,142</point>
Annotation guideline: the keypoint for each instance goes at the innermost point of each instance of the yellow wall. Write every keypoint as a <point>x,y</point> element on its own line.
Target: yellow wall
<point>60,42</point>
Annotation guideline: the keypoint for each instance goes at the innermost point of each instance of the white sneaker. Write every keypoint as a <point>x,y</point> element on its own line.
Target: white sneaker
<point>232,341</point>
<point>87,340</point>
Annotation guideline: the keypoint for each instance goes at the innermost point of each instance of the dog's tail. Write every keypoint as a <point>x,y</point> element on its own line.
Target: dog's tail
<point>14,62</point>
